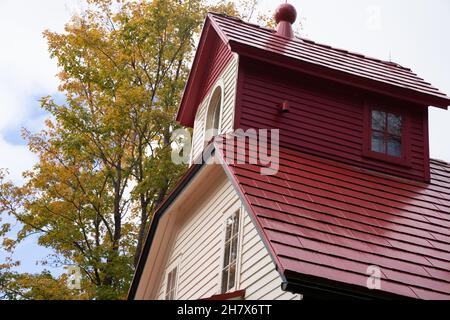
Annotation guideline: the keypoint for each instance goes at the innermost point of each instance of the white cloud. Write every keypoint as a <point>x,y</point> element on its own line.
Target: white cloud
<point>26,73</point>
<point>26,70</point>
<point>440,134</point>
<point>17,158</point>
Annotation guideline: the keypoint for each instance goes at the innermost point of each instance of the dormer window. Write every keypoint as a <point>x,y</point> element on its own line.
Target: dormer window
<point>386,135</point>
<point>212,126</point>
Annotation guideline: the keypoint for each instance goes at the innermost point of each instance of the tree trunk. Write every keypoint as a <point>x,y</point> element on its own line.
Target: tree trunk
<point>142,228</point>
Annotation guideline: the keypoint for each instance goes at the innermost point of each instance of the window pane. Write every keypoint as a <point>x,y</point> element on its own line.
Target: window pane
<point>236,223</point>
<point>213,115</point>
<point>168,287</point>
<point>232,276</point>
<point>394,124</point>
<point>171,284</point>
<point>378,142</point>
<point>174,277</point>
<point>226,254</point>
<point>378,120</point>
<point>216,116</point>
<point>234,249</point>
<point>394,147</point>
<point>170,281</point>
<point>230,252</point>
<point>225,280</point>
<point>229,226</point>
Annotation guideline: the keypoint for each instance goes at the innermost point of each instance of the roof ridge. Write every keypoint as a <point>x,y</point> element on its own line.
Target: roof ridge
<point>353,53</point>
<point>237,19</point>
<point>357,54</point>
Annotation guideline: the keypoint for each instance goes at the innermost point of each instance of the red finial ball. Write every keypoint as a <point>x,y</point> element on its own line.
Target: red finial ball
<point>286,12</point>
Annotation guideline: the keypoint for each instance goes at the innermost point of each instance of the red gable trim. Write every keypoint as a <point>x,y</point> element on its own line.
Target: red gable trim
<point>191,92</point>
<point>212,57</point>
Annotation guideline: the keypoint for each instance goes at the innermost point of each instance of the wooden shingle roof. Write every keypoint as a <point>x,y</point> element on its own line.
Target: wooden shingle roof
<point>240,35</point>
<point>332,221</point>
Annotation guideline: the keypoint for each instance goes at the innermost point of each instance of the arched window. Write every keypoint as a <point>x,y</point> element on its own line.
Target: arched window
<point>212,126</point>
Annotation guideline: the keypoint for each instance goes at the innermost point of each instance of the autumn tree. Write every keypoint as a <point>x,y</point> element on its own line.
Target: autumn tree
<point>104,158</point>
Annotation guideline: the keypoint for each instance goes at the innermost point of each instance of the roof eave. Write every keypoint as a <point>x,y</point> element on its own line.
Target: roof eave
<point>410,95</point>
<point>322,288</point>
<point>190,95</point>
<point>183,182</point>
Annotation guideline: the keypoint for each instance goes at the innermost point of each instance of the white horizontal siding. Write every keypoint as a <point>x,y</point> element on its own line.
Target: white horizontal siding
<point>198,138</point>
<point>197,252</point>
<point>229,80</point>
<point>258,274</point>
<point>229,97</point>
<point>199,244</point>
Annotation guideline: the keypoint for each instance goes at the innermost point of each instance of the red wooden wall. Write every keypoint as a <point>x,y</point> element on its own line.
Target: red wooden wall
<point>325,118</point>
<point>213,56</point>
<point>218,59</point>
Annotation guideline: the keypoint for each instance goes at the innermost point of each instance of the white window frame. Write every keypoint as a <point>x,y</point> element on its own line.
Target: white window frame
<point>219,84</point>
<point>198,122</point>
<point>171,267</point>
<point>228,213</point>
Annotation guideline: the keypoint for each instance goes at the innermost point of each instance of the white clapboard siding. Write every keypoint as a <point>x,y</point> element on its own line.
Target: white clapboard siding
<point>229,80</point>
<point>199,244</point>
<point>258,274</point>
<point>199,130</point>
<point>229,100</point>
<point>197,252</point>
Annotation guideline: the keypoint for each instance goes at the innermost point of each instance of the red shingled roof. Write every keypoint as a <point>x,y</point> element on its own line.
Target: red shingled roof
<point>329,220</point>
<point>237,33</point>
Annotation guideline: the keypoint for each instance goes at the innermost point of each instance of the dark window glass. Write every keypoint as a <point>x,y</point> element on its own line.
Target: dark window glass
<point>230,252</point>
<point>216,121</point>
<point>394,124</point>
<point>394,147</point>
<point>386,133</point>
<point>377,141</point>
<point>171,284</point>
<point>232,275</point>
<point>213,115</point>
<point>378,120</point>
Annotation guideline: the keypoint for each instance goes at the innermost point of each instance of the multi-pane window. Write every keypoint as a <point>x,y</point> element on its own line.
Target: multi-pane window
<point>171,284</point>
<point>386,133</point>
<point>231,252</point>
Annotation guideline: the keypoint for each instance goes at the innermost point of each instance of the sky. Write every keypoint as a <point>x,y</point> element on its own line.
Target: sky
<point>26,75</point>
<point>413,33</point>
